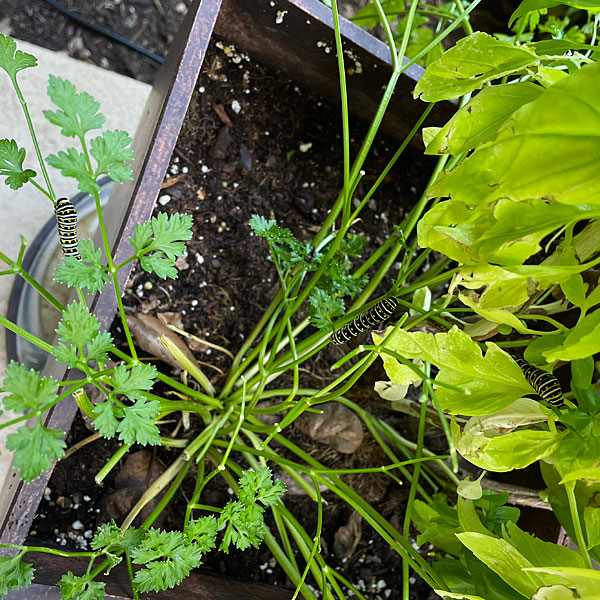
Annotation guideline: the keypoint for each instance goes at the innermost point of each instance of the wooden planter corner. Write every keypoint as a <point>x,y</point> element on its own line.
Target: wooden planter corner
<point>295,47</point>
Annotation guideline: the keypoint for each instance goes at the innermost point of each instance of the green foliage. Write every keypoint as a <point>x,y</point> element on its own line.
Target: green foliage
<point>81,588</point>
<point>12,60</point>
<point>11,164</point>
<point>292,256</point>
<point>160,242</point>
<point>421,33</point>
<point>87,273</point>
<point>243,519</point>
<point>139,423</point>
<point>494,380</point>
<point>167,559</point>
<point>26,388</point>
<point>73,163</point>
<point>77,112</point>
<point>110,537</point>
<point>111,153</point>
<point>324,307</point>
<point>14,574</point>
<point>34,449</point>
<point>455,73</point>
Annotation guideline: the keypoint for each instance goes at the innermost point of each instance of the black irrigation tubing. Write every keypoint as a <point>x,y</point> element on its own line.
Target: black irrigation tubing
<point>103,31</point>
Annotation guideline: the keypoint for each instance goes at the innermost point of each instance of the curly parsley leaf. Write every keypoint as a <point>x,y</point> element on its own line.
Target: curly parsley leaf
<point>139,423</point>
<point>86,273</point>
<point>12,60</point>
<point>323,307</point>
<point>167,560</point>
<point>81,588</point>
<point>287,249</point>
<point>14,574</point>
<point>244,518</point>
<point>203,532</point>
<point>111,153</point>
<point>243,527</point>
<point>66,354</point>
<point>35,449</point>
<point>11,164</point>
<point>258,486</point>
<point>160,265</point>
<point>73,164</point>
<point>77,112</point>
<point>27,389</point>
<point>96,350</point>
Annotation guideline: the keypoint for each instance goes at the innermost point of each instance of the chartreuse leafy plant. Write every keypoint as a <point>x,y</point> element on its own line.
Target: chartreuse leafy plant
<point>517,210</point>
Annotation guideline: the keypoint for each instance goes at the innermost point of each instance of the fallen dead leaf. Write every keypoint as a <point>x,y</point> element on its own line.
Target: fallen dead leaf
<point>346,538</point>
<point>337,426</point>
<point>147,329</point>
<point>139,471</point>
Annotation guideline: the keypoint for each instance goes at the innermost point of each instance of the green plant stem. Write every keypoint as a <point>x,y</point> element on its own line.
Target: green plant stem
<point>112,462</point>
<point>131,576</point>
<point>22,333</point>
<point>413,488</point>
<point>33,137</point>
<point>17,269</point>
<point>45,550</point>
<point>344,101</point>
<point>579,537</point>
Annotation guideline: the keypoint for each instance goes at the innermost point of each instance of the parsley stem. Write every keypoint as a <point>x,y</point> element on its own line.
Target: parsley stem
<point>29,337</point>
<point>33,136</point>
<point>17,269</point>
<point>108,253</point>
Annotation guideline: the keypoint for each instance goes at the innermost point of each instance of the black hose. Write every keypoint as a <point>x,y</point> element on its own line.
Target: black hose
<point>103,31</point>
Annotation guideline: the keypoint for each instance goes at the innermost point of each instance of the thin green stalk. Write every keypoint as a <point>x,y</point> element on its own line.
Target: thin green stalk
<point>109,259</point>
<point>579,537</point>
<point>22,333</point>
<point>109,466</point>
<point>413,489</point>
<point>344,102</point>
<point>17,269</point>
<point>131,576</point>
<point>285,539</point>
<point>33,136</point>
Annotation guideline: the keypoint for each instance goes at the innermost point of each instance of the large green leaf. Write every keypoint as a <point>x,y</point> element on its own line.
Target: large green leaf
<point>489,382</point>
<point>582,341</point>
<point>505,560</point>
<point>515,450</point>
<point>540,553</point>
<point>585,581</point>
<point>550,148</point>
<point>478,121</point>
<point>505,233</point>
<point>470,64</point>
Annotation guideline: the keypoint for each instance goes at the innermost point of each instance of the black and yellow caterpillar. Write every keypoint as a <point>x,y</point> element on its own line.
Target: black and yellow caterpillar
<point>377,314</point>
<point>545,384</point>
<point>66,219</point>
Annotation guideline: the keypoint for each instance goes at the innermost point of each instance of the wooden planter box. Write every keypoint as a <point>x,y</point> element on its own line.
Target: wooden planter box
<point>293,46</point>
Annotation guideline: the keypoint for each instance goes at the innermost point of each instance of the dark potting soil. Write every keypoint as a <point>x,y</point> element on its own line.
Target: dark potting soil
<point>253,143</point>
